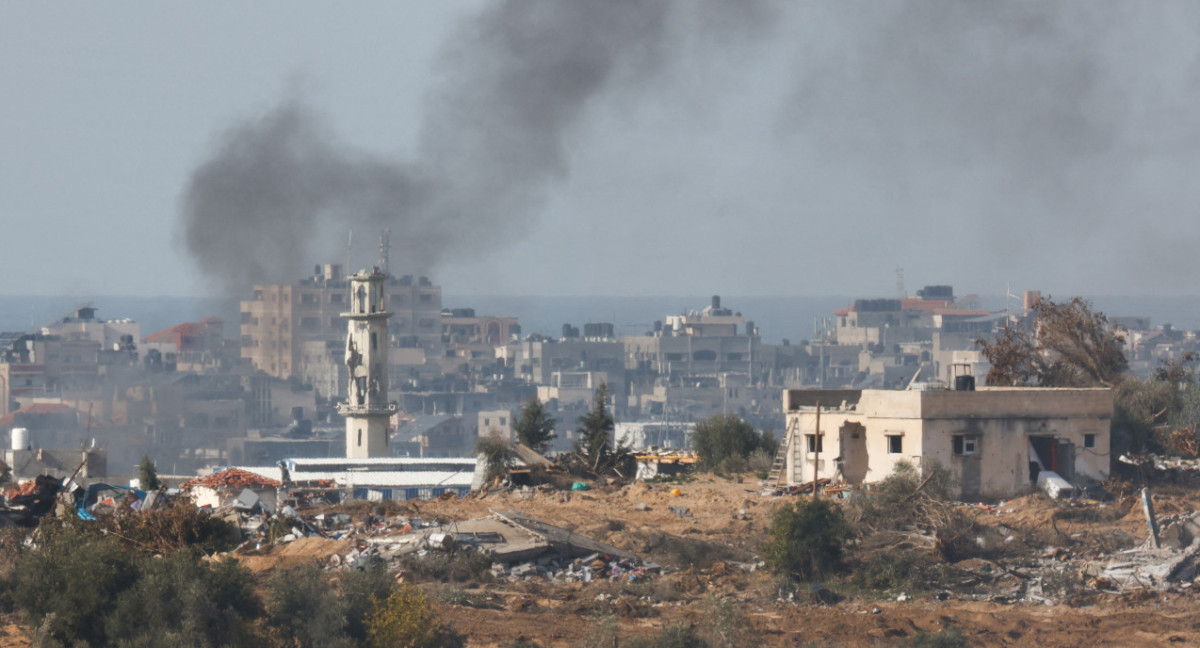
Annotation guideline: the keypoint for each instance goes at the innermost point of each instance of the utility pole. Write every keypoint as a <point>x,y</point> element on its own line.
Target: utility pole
<point>816,448</point>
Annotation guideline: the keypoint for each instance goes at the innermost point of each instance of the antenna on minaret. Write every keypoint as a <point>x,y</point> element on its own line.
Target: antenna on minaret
<point>900,291</point>
<point>385,245</point>
<point>349,247</point>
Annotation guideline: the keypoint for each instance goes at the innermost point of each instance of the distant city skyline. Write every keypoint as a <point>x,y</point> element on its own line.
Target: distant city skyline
<point>567,148</point>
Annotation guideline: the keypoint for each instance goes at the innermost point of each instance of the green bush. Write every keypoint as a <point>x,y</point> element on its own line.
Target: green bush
<point>148,475</point>
<point>181,601</point>
<point>725,442</point>
<point>70,586</point>
<point>303,611</point>
<point>360,589</point>
<point>806,540</point>
<point>406,620</point>
<point>83,587</point>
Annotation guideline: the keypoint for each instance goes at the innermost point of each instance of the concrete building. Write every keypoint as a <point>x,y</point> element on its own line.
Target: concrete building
<point>995,441</point>
<point>39,366</point>
<point>712,341</point>
<point>398,478</point>
<point>280,319</point>
<point>881,324</point>
<point>367,409</point>
<point>436,435</point>
<point>498,421</point>
<point>463,326</point>
<point>536,360</point>
<point>196,346</point>
<point>83,324</point>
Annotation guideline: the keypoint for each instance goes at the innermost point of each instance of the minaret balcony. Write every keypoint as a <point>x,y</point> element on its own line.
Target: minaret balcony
<point>365,316</point>
<point>347,409</point>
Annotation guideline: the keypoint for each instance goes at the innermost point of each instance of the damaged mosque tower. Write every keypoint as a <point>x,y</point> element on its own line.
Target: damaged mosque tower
<point>366,409</point>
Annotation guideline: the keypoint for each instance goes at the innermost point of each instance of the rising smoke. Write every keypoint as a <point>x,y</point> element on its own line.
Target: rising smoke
<point>280,190</point>
<point>971,141</point>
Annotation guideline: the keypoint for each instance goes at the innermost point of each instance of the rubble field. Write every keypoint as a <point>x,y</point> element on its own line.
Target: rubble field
<point>1056,572</point>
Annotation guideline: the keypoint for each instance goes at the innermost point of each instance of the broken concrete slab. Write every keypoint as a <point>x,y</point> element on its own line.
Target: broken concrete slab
<point>1054,485</point>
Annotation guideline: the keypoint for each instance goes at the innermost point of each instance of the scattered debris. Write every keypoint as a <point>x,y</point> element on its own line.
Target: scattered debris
<point>680,511</point>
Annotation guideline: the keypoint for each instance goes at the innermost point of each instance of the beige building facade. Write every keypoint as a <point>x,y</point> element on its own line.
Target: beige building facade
<point>995,441</point>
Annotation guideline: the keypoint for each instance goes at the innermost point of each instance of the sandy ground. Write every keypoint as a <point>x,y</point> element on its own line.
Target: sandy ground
<point>731,518</point>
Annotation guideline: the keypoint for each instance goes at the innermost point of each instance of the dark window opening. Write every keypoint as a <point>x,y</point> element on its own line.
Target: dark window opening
<point>1089,440</point>
<point>895,444</point>
<point>815,443</point>
<point>964,445</point>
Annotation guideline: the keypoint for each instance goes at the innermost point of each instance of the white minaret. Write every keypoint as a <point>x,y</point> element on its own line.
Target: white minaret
<point>367,409</point>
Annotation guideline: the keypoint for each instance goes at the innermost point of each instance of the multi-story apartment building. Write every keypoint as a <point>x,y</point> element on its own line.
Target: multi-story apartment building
<point>713,341</point>
<point>281,319</point>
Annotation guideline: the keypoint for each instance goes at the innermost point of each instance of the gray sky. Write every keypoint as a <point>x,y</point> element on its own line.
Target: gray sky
<point>617,148</point>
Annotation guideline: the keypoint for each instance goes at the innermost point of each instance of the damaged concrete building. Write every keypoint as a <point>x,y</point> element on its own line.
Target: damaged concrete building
<point>995,441</point>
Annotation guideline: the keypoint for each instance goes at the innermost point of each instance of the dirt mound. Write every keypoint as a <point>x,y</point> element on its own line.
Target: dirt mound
<point>304,551</point>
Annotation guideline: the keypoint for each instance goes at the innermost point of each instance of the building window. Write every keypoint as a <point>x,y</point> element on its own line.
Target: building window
<point>308,298</point>
<point>426,298</point>
<point>815,443</point>
<point>895,443</point>
<point>336,298</point>
<point>374,341</point>
<point>965,445</point>
<point>1089,440</point>
<point>503,421</point>
<point>360,437</point>
<point>487,422</point>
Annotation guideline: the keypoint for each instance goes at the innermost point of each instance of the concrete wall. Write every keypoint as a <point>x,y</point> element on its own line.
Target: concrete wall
<point>1006,425</point>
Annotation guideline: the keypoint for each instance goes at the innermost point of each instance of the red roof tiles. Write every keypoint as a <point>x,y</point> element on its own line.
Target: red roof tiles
<point>231,479</point>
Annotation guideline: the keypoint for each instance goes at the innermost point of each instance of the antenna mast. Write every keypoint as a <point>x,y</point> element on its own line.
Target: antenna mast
<point>385,245</point>
<point>349,246</point>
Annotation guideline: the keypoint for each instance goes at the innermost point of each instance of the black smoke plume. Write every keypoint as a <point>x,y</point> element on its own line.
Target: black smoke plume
<point>280,190</point>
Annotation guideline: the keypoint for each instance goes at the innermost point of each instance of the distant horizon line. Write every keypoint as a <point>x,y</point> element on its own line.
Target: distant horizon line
<point>606,295</point>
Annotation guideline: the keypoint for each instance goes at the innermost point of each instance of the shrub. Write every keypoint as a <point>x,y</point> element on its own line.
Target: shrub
<point>465,566</point>
<point>893,570</point>
<point>360,589</point>
<point>406,620</point>
<point>948,638</point>
<point>71,585</point>
<point>677,635</point>
<point>181,601</point>
<point>302,610</point>
<point>177,525</point>
<point>497,455</point>
<point>806,539</point>
<point>534,426</point>
<point>148,475</point>
<point>725,441</point>
<point>903,498</point>
<point>723,625</point>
